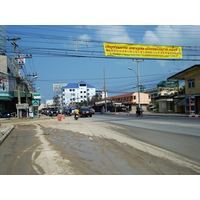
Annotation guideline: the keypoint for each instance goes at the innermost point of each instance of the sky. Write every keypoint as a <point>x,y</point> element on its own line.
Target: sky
<point>52,48</point>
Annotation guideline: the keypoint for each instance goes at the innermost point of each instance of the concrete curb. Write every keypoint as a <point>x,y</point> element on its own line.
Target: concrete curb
<point>192,115</point>
<point>4,135</point>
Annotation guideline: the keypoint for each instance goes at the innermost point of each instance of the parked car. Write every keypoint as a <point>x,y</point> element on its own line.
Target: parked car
<point>53,112</point>
<point>6,114</point>
<point>85,112</point>
<point>93,111</point>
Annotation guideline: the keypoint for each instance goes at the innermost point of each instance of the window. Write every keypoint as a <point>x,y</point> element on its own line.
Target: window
<point>191,83</point>
<point>82,84</point>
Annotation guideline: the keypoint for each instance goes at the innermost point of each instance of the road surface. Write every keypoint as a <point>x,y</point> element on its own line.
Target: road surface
<point>103,144</point>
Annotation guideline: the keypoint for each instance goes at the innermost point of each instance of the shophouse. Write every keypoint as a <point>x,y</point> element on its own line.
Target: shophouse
<point>13,89</point>
<point>131,100</point>
<point>190,101</point>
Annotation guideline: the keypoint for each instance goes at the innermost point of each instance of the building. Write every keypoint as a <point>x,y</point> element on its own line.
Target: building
<point>190,101</point>
<point>131,100</point>
<point>162,96</point>
<point>49,103</point>
<point>77,93</point>
<point>13,88</point>
<point>57,100</point>
<point>100,94</point>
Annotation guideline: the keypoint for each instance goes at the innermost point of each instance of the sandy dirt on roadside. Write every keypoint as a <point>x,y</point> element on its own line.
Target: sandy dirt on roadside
<point>82,147</point>
<point>97,148</point>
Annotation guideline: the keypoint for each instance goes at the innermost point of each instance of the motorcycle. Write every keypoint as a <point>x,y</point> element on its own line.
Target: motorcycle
<point>76,116</point>
<point>139,113</point>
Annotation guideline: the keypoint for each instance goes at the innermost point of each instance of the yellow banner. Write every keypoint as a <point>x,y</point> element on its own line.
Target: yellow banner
<point>142,51</point>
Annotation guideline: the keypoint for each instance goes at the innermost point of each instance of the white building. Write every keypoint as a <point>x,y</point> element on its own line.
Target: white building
<point>49,102</point>
<point>101,94</point>
<point>77,92</point>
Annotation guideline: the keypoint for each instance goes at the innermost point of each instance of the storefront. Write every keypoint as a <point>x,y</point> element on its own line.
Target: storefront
<point>165,105</point>
<point>187,104</point>
<point>5,102</point>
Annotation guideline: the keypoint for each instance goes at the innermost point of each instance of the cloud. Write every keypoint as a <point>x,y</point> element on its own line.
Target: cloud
<point>172,35</point>
<point>85,37</point>
<point>117,34</point>
<point>175,35</point>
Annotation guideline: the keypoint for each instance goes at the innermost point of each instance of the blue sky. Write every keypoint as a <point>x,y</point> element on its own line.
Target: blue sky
<point>50,46</point>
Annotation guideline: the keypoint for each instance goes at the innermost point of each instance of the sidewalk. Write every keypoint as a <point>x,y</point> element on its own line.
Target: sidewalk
<point>5,128</point>
<point>5,131</point>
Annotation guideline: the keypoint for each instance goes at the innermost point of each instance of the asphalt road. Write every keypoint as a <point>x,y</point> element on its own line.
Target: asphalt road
<point>177,134</point>
<point>103,144</point>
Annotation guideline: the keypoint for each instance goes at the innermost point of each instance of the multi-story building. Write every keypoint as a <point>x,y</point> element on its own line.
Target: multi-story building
<point>132,100</point>
<point>101,94</point>
<point>57,100</point>
<point>77,93</point>
<point>190,101</point>
<point>13,89</point>
<point>162,96</point>
<point>8,83</point>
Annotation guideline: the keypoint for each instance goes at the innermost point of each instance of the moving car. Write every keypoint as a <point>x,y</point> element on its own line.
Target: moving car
<point>85,112</point>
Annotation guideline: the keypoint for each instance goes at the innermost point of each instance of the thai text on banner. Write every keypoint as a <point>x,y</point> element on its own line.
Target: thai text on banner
<point>145,51</point>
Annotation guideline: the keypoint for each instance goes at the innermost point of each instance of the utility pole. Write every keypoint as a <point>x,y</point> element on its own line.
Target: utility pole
<point>19,113</point>
<point>105,89</point>
<point>17,73</point>
<point>138,78</point>
<point>15,48</point>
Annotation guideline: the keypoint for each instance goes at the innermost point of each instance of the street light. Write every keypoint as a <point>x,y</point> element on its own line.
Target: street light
<point>138,78</point>
<point>36,76</point>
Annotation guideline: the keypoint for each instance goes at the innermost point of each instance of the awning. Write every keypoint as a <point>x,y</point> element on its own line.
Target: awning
<point>22,94</point>
<point>179,97</point>
<point>5,97</point>
<point>162,100</point>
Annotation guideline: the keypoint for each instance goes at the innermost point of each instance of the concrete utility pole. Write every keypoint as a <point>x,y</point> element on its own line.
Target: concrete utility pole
<point>15,48</point>
<point>105,89</point>
<point>17,73</point>
<point>138,78</point>
<point>19,113</point>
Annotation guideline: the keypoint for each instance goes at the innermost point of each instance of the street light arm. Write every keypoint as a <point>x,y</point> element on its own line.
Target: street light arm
<point>132,70</point>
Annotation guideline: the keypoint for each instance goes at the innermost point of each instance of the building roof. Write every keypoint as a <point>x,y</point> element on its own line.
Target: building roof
<point>181,74</point>
<point>76,85</point>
